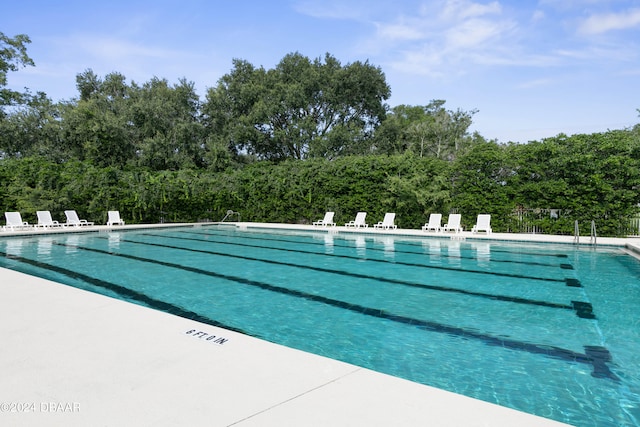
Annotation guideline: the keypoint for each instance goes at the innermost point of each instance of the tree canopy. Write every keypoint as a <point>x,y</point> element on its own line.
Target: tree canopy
<point>13,56</point>
<point>299,109</point>
<point>428,130</point>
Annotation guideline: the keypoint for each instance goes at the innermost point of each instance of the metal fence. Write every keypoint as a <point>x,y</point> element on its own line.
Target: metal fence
<point>634,227</point>
<point>561,221</point>
<point>539,221</point>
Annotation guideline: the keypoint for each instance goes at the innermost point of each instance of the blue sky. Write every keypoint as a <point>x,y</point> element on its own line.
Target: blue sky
<point>532,69</point>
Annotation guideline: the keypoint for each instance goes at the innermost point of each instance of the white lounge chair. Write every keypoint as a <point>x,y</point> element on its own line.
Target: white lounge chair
<point>359,221</point>
<point>435,221</point>
<point>453,224</point>
<point>15,222</point>
<point>483,223</point>
<point>114,218</point>
<point>387,222</point>
<point>74,221</point>
<point>45,220</point>
<point>328,220</point>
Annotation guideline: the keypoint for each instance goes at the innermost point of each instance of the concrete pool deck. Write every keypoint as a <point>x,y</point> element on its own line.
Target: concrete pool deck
<point>76,358</point>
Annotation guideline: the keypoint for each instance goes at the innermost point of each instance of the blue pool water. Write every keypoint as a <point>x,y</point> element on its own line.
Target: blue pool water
<point>551,330</point>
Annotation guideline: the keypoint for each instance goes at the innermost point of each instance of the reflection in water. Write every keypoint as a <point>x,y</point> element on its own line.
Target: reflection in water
<point>44,246</point>
<point>389,246</point>
<point>114,241</point>
<point>454,252</point>
<point>433,248</point>
<point>359,242</point>
<point>361,246</point>
<point>328,243</point>
<point>483,253</point>
<point>14,247</point>
<point>72,242</point>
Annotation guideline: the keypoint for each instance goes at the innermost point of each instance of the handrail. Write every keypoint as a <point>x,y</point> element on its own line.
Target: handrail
<point>594,234</point>
<point>230,213</point>
<point>576,233</point>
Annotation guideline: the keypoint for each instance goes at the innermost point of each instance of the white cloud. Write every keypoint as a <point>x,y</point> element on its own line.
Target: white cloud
<point>532,84</point>
<point>605,22</point>
<point>474,33</point>
<point>463,9</point>
<point>113,49</point>
<point>425,62</point>
<point>448,38</point>
<point>337,9</point>
<point>443,35</point>
<point>538,15</point>
<point>630,72</point>
<point>569,4</point>
<point>603,54</point>
<point>399,31</point>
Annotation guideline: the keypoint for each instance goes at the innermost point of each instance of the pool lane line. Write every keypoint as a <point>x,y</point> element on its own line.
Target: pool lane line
<point>124,292</point>
<point>345,236</point>
<point>595,356</point>
<point>409,264</point>
<point>310,234</point>
<point>541,264</point>
<point>582,309</point>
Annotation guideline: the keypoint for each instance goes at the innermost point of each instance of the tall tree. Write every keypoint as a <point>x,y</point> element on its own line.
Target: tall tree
<point>439,133</point>
<point>166,119</point>
<point>429,130</point>
<point>391,137</point>
<point>299,109</point>
<point>13,55</point>
<point>98,128</point>
<point>33,128</point>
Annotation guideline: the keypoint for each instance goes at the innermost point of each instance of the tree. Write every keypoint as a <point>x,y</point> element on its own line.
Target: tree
<point>34,129</point>
<point>480,183</point>
<point>169,135</point>
<point>390,137</point>
<point>227,110</point>
<point>428,130</point>
<point>13,55</point>
<point>98,128</point>
<point>299,109</point>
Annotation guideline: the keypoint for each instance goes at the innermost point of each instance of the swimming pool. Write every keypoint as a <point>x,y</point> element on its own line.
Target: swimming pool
<point>547,329</point>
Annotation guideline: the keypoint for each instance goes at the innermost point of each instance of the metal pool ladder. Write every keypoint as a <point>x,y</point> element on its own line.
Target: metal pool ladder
<point>231,213</point>
<point>593,237</point>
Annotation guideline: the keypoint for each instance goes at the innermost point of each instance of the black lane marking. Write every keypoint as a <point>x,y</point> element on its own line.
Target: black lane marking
<point>571,282</point>
<point>583,309</point>
<point>574,283</point>
<point>595,356</point>
<point>125,293</point>
<point>540,264</point>
<point>410,264</point>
